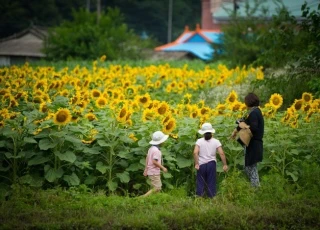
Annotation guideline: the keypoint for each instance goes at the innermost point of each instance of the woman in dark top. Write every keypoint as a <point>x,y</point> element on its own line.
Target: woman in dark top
<point>254,151</point>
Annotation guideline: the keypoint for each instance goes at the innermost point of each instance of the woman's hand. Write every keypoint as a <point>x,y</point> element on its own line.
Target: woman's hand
<point>197,166</point>
<point>234,134</point>
<point>225,168</point>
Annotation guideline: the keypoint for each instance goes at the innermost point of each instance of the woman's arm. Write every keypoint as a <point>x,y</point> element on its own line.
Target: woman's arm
<point>223,158</point>
<point>196,157</point>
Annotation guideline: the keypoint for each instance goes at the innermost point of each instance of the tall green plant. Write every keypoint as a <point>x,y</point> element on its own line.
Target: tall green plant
<point>84,38</point>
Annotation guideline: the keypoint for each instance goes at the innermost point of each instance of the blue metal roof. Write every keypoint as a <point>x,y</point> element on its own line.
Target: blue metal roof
<point>196,42</point>
<point>202,50</point>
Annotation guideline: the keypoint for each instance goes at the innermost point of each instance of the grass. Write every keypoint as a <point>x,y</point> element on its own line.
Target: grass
<point>77,208</point>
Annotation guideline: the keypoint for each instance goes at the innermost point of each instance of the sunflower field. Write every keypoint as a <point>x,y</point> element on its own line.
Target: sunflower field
<point>92,125</point>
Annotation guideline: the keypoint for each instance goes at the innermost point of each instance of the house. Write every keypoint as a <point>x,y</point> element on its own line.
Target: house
<point>220,10</point>
<point>215,14</point>
<point>196,44</point>
<point>24,46</point>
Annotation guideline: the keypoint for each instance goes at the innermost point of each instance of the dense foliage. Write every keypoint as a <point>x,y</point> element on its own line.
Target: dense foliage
<point>85,38</point>
<point>148,16</point>
<point>287,48</point>
<point>92,125</point>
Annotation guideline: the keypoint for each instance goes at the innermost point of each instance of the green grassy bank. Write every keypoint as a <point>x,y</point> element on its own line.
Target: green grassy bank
<point>80,208</point>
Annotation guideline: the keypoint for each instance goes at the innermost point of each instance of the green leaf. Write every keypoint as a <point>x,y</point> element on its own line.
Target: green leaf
<point>124,154</point>
<point>72,179</point>
<point>29,140</point>
<point>134,167</point>
<point>8,132</point>
<point>52,174</point>
<point>137,186</point>
<point>8,155</point>
<point>124,177</point>
<point>93,151</point>
<point>183,162</point>
<point>90,180</point>
<point>292,175</point>
<point>38,160</point>
<point>167,175</point>
<point>45,144</point>
<point>73,139</point>
<point>143,142</point>
<point>2,144</point>
<point>101,167</point>
<point>67,156</point>
<point>103,143</point>
<point>112,185</point>
<point>31,180</point>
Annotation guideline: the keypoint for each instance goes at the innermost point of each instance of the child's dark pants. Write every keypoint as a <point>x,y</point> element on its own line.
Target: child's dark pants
<point>206,178</point>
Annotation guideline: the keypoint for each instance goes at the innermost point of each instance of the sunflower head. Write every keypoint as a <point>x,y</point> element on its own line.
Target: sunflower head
<point>232,97</point>
<point>163,108</point>
<point>169,126</point>
<point>307,97</point>
<point>101,102</point>
<point>91,116</point>
<point>62,117</point>
<point>297,105</point>
<point>95,93</point>
<point>276,100</point>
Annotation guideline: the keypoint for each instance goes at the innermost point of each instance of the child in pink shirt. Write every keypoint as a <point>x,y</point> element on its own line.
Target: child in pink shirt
<point>154,162</point>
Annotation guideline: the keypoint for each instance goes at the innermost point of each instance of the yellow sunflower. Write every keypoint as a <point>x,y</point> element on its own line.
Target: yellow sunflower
<point>307,97</point>
<point>309,114</point>
<point>43,107</point>
<point>306,107</point>
<point>236,106</point>
<point>166,118</point>
<point>157,84</point>
<point>232,97</point>
<point>101,102</point>
<point>37,99</point>
<point>205,110</point>
<point>148,115</point>
<point>62,117</point>
<point>91,117</point>
<point>95,93</point>
<point>186,98</point>
<point>297,105</point>
<point>220,108</point>
<point>276,100</point>
<point>13,102</point>
<point>169,126</point>
<point>122,116</point>
<point>163,108</point>
<point>144,100</point>
<point>133,137</point>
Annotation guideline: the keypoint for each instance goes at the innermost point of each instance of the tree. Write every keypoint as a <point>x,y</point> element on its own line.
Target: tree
<point>83,38</point>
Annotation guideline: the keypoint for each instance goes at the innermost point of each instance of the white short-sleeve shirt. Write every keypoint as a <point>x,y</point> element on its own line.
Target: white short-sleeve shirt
<point>207,150</point>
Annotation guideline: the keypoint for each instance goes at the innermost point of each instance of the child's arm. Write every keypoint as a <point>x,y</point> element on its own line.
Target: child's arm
<point>145,169</point>
<point>156,163</point>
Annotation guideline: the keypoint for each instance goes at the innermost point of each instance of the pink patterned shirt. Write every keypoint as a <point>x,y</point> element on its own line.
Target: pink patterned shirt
<point>154,153</point>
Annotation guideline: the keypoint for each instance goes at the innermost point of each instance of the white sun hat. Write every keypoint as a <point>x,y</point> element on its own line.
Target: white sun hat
<point>206,128</point>
<point>158,138</point>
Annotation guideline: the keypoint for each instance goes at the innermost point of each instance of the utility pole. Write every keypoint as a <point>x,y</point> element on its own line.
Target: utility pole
<point>98,10</point>
<point>235,7</point>
<point>170,21</point>
<point>88,5</point>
